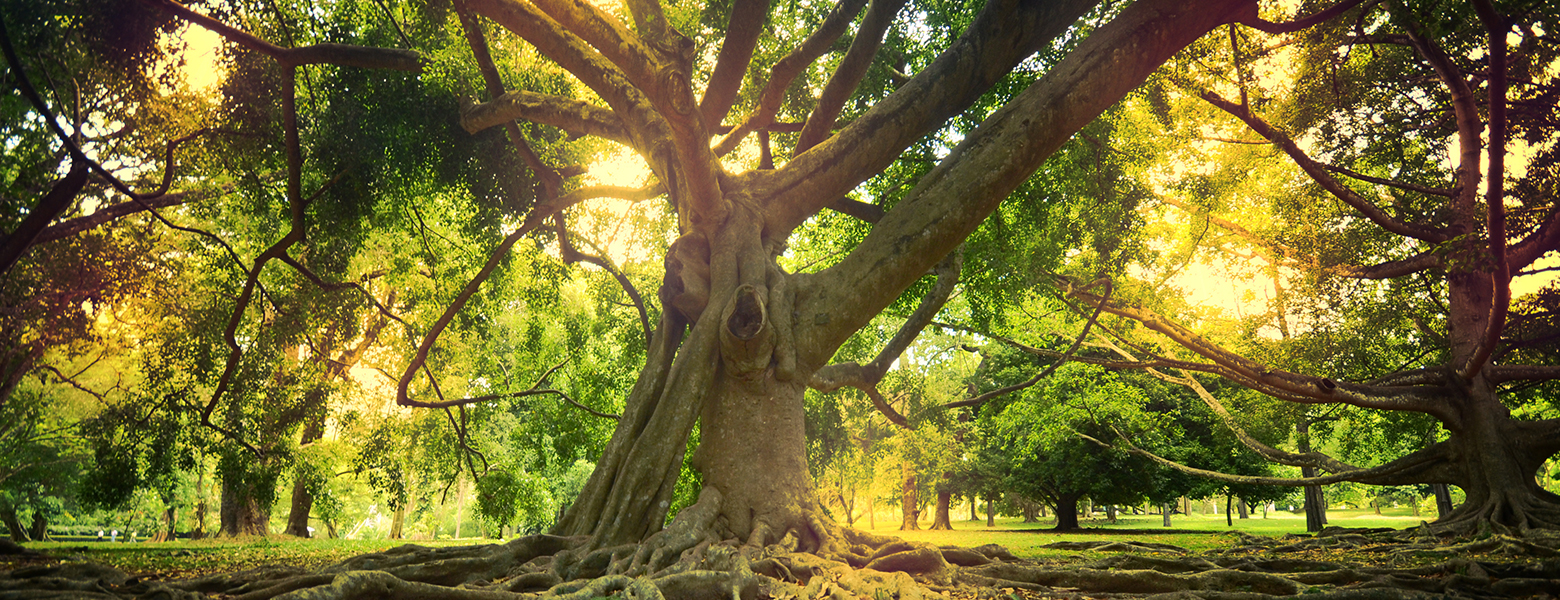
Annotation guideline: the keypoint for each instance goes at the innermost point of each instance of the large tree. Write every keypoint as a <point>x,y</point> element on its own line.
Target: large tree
<point>737,338</point>
<point>1393,237</point>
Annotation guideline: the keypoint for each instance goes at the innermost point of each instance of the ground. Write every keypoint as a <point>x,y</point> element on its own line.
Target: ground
<point>1199,558</point>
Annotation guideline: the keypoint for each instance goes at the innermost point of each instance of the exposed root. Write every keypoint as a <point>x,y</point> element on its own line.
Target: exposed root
<point>690,561</point>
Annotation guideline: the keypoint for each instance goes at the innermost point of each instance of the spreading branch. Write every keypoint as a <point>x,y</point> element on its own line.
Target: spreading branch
<point>1061,360</point>
<point>1302,23</point>
<point>335,54</point>
<point>571,255</point>
<point>568,114</point>
<point>1292,386</point>
<point>539,215</point>
<point>866,377</point>
<point>863,48</point>
<point>1307,459</point>
<point>1271,250</point>
<point>1419,467</point>
<point>1323,177</point>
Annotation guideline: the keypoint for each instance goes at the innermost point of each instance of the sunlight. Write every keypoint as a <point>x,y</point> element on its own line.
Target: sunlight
<point>201,58</point>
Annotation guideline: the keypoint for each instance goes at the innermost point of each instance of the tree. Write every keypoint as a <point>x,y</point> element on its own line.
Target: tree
<point>737,337</point>
<point>1391,250</point>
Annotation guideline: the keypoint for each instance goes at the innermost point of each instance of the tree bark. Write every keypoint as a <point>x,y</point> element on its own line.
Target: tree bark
<point>1240,505</point>
<point>242,514</point>
<point>1443,500</point>
<point>169,520</point>
<point>1165,510</point>
<point>942,522</point>
<point>14,524</point>
<point>40,525</point>
<point>398,522</point>
<point>909,512</point>
<point>991,515</point>
<point>1067,512</point>
<point>1031,511</point>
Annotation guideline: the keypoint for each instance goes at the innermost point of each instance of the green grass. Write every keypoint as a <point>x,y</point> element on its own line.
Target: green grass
<point>184,559</point>
<point>1196,532</point>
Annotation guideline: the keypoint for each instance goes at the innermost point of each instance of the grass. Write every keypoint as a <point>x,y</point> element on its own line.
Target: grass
<point>185,559</point>
<point>1196,532</point>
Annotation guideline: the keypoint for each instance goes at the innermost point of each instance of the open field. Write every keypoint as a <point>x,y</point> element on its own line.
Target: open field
<point>1196,532</point>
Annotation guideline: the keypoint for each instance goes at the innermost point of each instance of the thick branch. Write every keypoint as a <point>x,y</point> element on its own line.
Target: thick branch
<point>869,37</point>
<point>106,214</point>
<point>1495,196</point>
<point>568,114</point>
<point>1004,33</point>
<point>866,377</point>
<point>574,55</point>
<point>28,232</point>
<point>736,51</point>
<point>1322,177</point>
<point>1466,110</point>
<point>1504,373</point>
<point>963,190</point>
<point>610,38</point>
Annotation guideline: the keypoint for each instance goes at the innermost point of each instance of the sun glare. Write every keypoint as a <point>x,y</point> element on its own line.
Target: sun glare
<point>202,66</point>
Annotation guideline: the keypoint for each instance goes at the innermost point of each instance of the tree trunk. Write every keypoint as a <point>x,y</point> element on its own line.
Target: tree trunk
<point>1229,520</point>
<point>907,499</point>
<point>14,524</point>
<point>398,523</point>
<point>1110,512</point>
<point>1443,500</point>
<point>941,522</point>
<point>1165,510</point>
<point>302,496</point>
<point>991,518</point>
<point>168,533</point>
<point>1240,505</point>
<point>1030,511</point>
<point>974,508</point>
<point>1042,510</point>
<point>40,525</point>
<point>1067,512</point>
<point>242,514</point>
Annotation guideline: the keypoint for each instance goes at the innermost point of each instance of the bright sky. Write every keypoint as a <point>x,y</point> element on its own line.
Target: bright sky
<point>201,58</point>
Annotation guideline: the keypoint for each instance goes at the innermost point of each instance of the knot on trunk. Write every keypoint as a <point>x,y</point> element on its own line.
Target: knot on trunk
<point>687,284</point>
<point>745,335</point>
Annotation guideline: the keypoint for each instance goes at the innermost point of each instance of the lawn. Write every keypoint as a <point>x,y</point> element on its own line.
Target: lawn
<point>1196,532</point>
